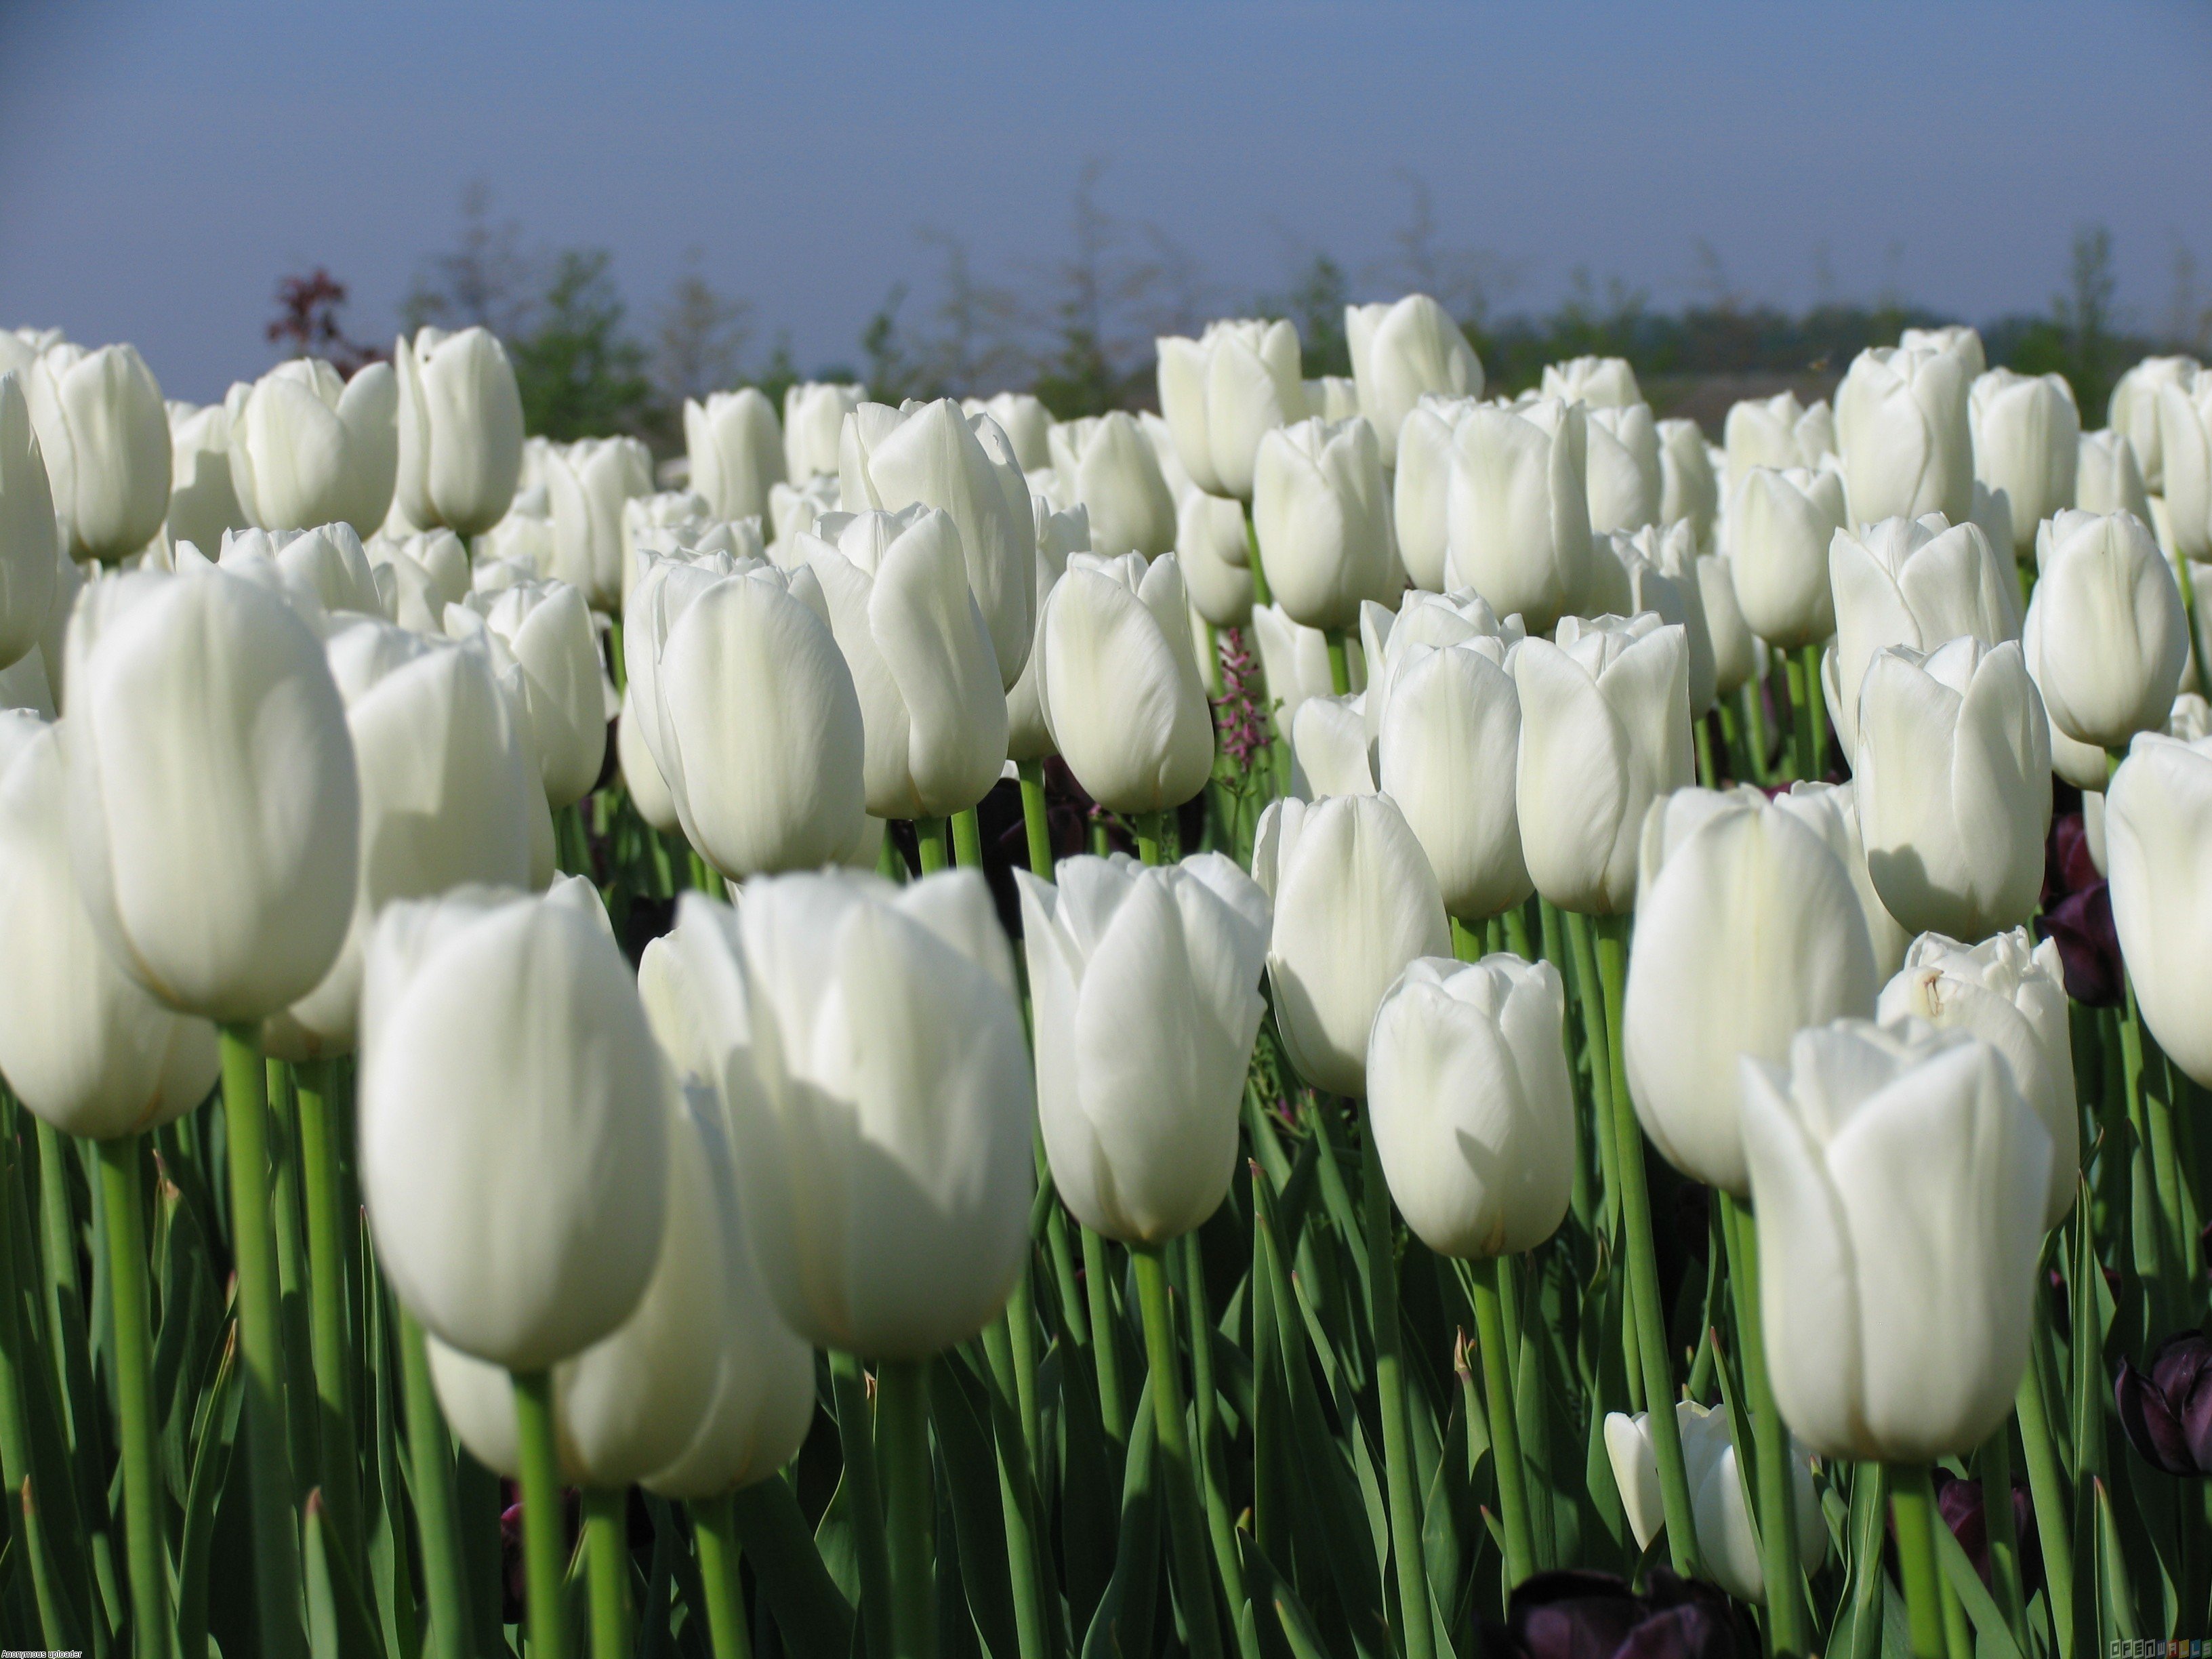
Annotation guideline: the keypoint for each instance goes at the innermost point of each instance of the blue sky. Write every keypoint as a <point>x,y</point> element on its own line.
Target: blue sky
<point>162,163</point>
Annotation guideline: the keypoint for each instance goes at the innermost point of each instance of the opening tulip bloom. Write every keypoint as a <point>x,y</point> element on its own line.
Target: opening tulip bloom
<point>1688,488</point>
<point>588,484</point>
<point>514,1120</point>
<point>213,811</point>
<point>1121,688</point>
<point>1902,430</point>
<point>1420,488</point>
<point>310,447</point>
<point>1322,514</point>
<point>2158,839</point>
<point>460,430</point>
<point>1954,786</point>
<point>1777,431</point>
<point>1470,1103</point>
<point>1516,514</point>
<point>1781,522</point>
<point>2108,477</point>
<point>2167,1413</point>
<point>1899,1183</point>
<point>735,446</point>
<point>1147,989</point>
<point>1026,422</point>
<point>1727,1544</point>
<point>545,628</point>
<point>1222,392</point>
<point>2107,638</point>
<point>105,434</point>
<point>814,414</point>
<point>1747,929</point>
<point>1600,382</point>
<point>1401,354</point>
<point>1831,811</point>
<point>1108,466</point>
<point>1621,468</point>
<point>1355,901</point>
<point>2026,434</point>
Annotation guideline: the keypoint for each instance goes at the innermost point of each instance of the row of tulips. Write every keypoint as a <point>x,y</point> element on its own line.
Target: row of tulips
<point>1521,1158</point>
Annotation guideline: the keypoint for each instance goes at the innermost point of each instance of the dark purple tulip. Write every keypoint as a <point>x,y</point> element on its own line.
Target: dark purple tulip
<point>1964,1512</point>
<point>2088,947</point>
<point>2168,1415</point>
<point>1574,1614</point>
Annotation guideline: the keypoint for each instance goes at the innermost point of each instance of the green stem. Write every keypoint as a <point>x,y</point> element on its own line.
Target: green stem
<point>910,1504</point>
<point>1708,776</point>
<point>1753,694</point>
<point>15,1355</point>
<point>326,1283</point>
<point>123,1188</point>
<point>1800,717</point>
<point>2046,1485</point>
<point>1516,933</point>
<point>930,834</point>
<point>1504,1422</point>
<point>1789,1621</point>
<point>544,1548</point>
<point>1912,1505</point>
<point>1340,664</point>
<point>856,1437</point>
<point>1150,834</point>
<point>1651,1321</point>
<point>1194,1583</point>
<point>1589,1000</point>
<point>1418,1630</point>
<point>1016,1504</point>
<point>437,1512</point>
<point>713,1529</point>
<point>1034,821</point>
<point>275,1540</point>
<point>967,840</point>
<point>288,1210</point>
<point>2003,1540</point>
<point>1465,946</point>
<point>1105,1343</point>
<point>606,1563</point>
<point>1220,1526</point>
<point>1816,710</point>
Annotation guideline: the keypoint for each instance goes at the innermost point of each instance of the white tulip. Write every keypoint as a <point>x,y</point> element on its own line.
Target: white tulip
<point>2106,637</point>
<point>460,430</point>
<point>2158,838</point>
<point>641,773</point>
<point>1108,465</point>
<point>1736,649</point>
<point>1222,392</point>
<point>1831,811</point>
<point>2134,409</point>
<point>1727,1542</point>
<point>1329,753</point>
<point>1778,433</point>
<point>105,434</point>
<point>588,483</point>
<point>1332,398</point>
<point>1781,523</point>
<point>736,449</point>
<point>793,509</point>
<point>2107,477</point>
<point>1470,1103</point>
<point>1747,929</point>
<point>30,549</point>
<point>320,571</point>
<point>1421,487</point>
<point>1026,422</point>
<point>1403,353</point>
<point>1388,639</point>
<point>1901,426</point>
<point>1518,529</point>
<point>545,628</point>
<point>1355,901</point>
<point>1621,469</point>
<point>1322,514</point>
<point>1899,1181</point>
<point>814,414</point>
<point>2184,439</point>
<point>311,448</point>
<point>1688,488</point>
<point>1146,984</point>
<point>1605,727</point>
<point>1294,661</point>
<point>1663,577</point>
<point>418,576</point>
<point>1957,339</point>
<point>1600,382</point>
<point>2026,431</point>
<point>203,496</point>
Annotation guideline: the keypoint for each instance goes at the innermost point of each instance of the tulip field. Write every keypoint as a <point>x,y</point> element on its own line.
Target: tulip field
<point>1354,1018</point>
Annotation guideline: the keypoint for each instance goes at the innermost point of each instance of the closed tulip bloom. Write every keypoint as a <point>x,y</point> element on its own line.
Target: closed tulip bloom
<point>1059,533</point>
<point>1600,382</point>
<point>1953,782</point>
<point>203,496</point>
<point>885,1184</point>
<point>1423,621</point>
<point>736,449</point>
<point>931,700</point>
<point>2134,409</point>
<point>1736,649</point>
<point>29,547</point>
<point>214,814</point>
<point>814,414</point>
<point>1518,526</point>
<point>2011,993</point>
<point>641,773</point>
<point>1355,901</point>
<point>1778,432</point>
<point>1294,661</point>
<point>1220,588</point>
<point>1901,426</point>
<point>105,434</point>
<point>82,1045</point>
<point>588,483</point>
<point>1727,1542</point>
<point>1222,392</point>
<point>1026,422</point>
<point>1959,340</point>
<point>2026,430</point>
<point>1687,486</point>
<point>513,1122</point>
<point>418,576</point>
<point>1605,727</point>
<point>2107,477</point>
<point>1323,518</point>
<point>1664,575</point>
<point>461,430</point>
<point>311,448</point>
<point>2185,437</point>
<point>1913,582</point>
<point>963,466</point>
<point>1147,989</point>
<point>1781,523</point>
<point>320,571</point>
<point>1899,1183</point>
<point>547,629</point>
<point>1403,353</point>
<point>1451,732</point>
<point>1108,465</point>
<point>1621,469</point>
<point>1470,1103</point>
<point>1332,398</point>
<point>1420,500</point>
<point>1121,688</point>
<point>794,508</point>
<point>2158,840</point>
<point>445,779</point>
<point>1747,929</point>
<point>1831,811</point>
<point>2106,637</point>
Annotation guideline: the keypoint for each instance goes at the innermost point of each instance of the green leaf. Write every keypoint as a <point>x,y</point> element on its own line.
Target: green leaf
<point>812,1612</point>
<point>1123,1626</point>
<point>958,1411</point>
<point>212,1444</point>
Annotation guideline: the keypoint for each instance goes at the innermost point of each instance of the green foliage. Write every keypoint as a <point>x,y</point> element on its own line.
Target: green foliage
<point>581,375</point>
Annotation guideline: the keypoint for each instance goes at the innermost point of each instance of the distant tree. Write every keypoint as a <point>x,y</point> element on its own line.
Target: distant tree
<point>1315,302</point>
<point>484,280</point>
<point>699,338</point>
<point>581,376</point>
<point>306,322</point>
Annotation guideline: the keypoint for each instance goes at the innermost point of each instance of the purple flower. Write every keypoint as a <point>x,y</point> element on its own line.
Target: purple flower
<point>1965,1513</point>
<point>1575,1614</point>
<point>2168,1415</point>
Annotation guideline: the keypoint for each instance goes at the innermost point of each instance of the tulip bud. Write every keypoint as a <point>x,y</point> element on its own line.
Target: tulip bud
<point>1621,469</point>
<point>81,1044</point>
<point>1605,726</point>
<point>588,483</point>
<point>2168,1415</point>
<point>214,814</point>
<point>2134,410</point>
<point>1294,661</point>
<point>1147,990</point>
<point>1355,901</point>
<point>1518,519</point>
<point>1687,486</point>
<point>461,430</point>
<point>1915,583</point>
<point>735,451</point>
<point>1557,1615</point>
<point>513,1122</point>
<point>1106,464</point>
<point>932,453</point>
<point>2026,432</point>
<point>814,414</point>
<point>2106,478</point>
<point>1323,519</point>
<point>1748,931</point>
<point>310,447</point>
<point>2184,438</point>
<point>1728,1544</point>
<point>29,550</point>
<point>1222,392</point>
<point>1403,353</point>
<point>1735,649</point>
<point>1421,488</point>
<point>546,629</point>
<point>886,1183</point>
<point>1121,688</point>
<point>1899,1183</point>
<point>1954,786</point>
<point>2158,825</point>
<point>1778,432</point>
<point>2106,637</point>
<point>929,683</point>
<point>1600,382</point>
<point>105,434</point>
<point>1901,424</point>
<point>1830,812</point>
<point>1780,526</point>
<point>1470,1103</point>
